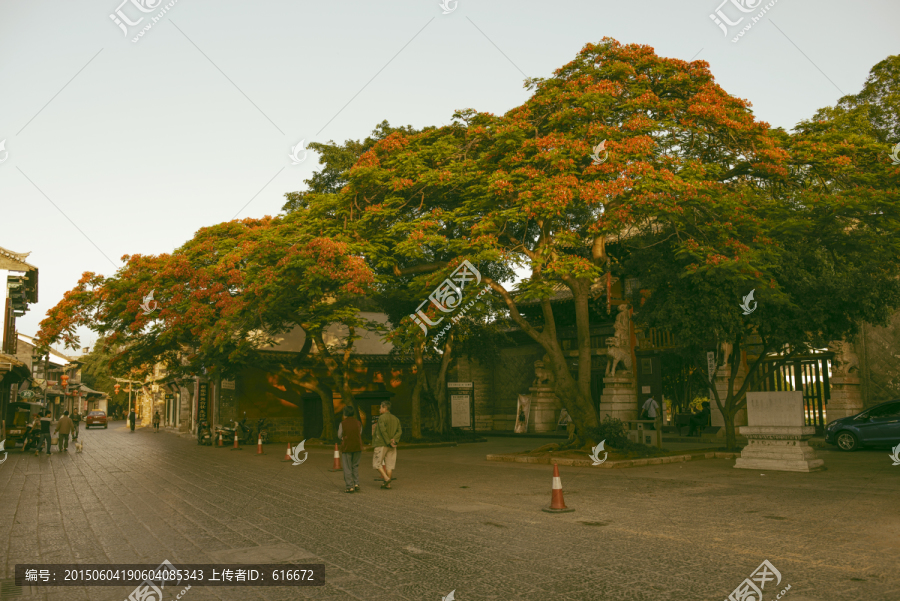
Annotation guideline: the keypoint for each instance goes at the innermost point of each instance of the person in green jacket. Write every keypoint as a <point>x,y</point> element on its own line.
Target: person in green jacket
<point>387,434</point>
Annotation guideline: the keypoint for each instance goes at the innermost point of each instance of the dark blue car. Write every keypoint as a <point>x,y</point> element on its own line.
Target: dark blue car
<point>876,426</point>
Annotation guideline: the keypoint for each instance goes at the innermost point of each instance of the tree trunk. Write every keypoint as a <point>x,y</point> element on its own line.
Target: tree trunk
<point>728,415</point>
<point>416,418</point>
<point>440,390</point>
<point>579,407</point>
<point>328,433</point>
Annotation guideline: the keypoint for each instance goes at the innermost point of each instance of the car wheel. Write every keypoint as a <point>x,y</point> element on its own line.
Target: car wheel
<point>847,441</point>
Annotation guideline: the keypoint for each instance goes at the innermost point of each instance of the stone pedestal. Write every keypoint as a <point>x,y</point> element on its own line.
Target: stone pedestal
<point>779,448</point>
<point>777,436</point>
<point>846,397</point>
<point>619,399</point>
<point>545,409</point>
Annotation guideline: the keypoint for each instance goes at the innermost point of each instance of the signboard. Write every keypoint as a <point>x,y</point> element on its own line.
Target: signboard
<point>202,402</point>
<point>460,415</point>
<point>711,367</point>
<point>460,385</point>
<point>170,397</point>
<point>227,384</point>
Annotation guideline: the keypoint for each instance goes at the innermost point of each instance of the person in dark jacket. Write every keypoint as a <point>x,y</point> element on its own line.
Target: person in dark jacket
<point>350,433</point>
<point>45,431</point>
<point>699,419</point>
<point>76,420</point>
<point>131,418</point>
<point>156,421</point>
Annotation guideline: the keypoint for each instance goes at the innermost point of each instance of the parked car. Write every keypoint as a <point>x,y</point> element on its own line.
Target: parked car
<point>876,426</point>
<point>95,418</point>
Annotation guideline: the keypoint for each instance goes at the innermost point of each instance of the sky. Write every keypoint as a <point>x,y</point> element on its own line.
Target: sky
<point>113,146</point>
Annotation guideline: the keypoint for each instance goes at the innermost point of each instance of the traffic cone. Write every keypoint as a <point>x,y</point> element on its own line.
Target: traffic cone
<point>259,445</point>
<point>236,447</point>
<point>220,438</point>
<point>336,467</point>
<point>287,454</point>
<point>557,504</point>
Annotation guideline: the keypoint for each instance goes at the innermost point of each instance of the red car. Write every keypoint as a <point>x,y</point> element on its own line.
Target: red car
<point>95,418</point>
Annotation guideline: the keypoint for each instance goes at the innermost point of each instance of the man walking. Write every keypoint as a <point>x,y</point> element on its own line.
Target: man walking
<point>350,433</point>
<point>45,431</point>
<point>76,419</point>
<point>64,427</point>
<point>650,410</point>
<point>387,434</point>
<point>156,421</point>
<point>131,418</point>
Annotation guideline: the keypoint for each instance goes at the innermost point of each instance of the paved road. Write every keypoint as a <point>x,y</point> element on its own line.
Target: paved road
<point>454,522</point>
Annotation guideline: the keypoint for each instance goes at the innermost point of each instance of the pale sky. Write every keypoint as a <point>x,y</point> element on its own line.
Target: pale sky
<point>116,147</point>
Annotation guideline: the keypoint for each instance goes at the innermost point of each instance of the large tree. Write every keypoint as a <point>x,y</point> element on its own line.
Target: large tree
<point>522,189</point>
<point>222,297</point>
<point>818,247</point>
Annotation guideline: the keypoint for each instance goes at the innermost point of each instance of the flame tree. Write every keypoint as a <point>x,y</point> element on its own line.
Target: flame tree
<point>221,297</point>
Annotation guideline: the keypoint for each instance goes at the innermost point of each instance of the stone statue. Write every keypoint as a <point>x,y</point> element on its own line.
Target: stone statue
<point>542,376</point>
<point>619,346</point>
<point>845,359</point>
<point>726,353</point>
<point>615,355</point>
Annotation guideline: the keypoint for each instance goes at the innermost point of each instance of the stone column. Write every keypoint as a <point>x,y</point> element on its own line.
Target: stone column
<point>545,409</point>
<point>619,398</point>
<point>846,393</point>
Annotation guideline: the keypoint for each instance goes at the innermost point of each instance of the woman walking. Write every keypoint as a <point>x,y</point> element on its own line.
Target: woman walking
<point>350,433</point>
<point>131,418</point>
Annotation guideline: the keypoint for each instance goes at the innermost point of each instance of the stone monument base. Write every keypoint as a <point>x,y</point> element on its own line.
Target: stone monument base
<point>619,398</point>
<point>779,448</point>
<point>545,409</point>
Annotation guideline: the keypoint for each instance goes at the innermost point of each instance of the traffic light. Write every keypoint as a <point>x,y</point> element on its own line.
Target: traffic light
<point>117,388</point>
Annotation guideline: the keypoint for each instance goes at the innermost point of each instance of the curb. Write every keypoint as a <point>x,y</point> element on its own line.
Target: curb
<point>612,464</point>
<point>423,445</point>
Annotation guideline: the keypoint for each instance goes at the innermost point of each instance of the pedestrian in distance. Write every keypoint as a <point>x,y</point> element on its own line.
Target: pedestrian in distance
<point>76,419</point>
<point>387,434</point>
<point>156,421</point>
<point>64,427</point>
<point>350,433</point>
<point>45,431</point>
<point>650,410</point>
<point>131,418</point>
<point>699,419</point>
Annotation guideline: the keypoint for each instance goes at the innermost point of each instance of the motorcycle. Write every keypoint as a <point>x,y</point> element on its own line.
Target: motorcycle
<point>204,435</point>
<point>244,433</point>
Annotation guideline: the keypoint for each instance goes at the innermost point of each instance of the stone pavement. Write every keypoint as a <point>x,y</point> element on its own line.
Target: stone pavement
<point>453,521</point>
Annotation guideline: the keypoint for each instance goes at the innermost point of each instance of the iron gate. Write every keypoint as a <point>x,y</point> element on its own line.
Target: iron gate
<point>809,374</point>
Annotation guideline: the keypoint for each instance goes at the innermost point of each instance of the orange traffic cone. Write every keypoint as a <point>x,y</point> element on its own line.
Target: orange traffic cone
<point>236,447</point>
<point>220,438</point>
<point>287,454</point>
<point>557,504</point>
<point>259,450</point>
<point>336,467</point>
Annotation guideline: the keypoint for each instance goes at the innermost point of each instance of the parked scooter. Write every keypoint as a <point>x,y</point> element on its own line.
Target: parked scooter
<point>244,433</point>
<point>204,435</point>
